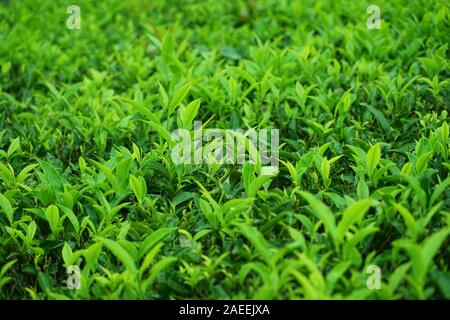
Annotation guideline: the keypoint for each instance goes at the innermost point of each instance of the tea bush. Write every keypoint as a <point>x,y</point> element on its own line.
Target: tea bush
<point>87,182</point>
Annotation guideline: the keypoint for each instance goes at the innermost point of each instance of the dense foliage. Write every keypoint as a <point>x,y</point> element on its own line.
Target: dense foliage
<point>86,176</point>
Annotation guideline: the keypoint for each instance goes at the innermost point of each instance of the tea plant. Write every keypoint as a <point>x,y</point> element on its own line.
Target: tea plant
<point>87,178</point>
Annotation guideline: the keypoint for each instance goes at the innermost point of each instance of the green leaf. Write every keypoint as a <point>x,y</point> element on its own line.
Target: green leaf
<point>45,282</point>
<point>443,282</point>
<point>157,268</point>
<point>109,175</point>
<point>445,132</point>
<point>354,213</point>
<point>418,190</point>
<point>52,175</point>
<point>233,207</point>
<point>149,258</point>
<point>345,102</point>
<point>431,245</point>
<point>7,208</point>
<point>168,46</point>
<point>260,268</point>
<point>67,254</point>
<point>5,267</point>
<point>336,273</point>
<point>162,131</point>
<point>257,184</point>
<point>373,159</point>
<point>325,171</point>
<point>188,113</point>
<point>52,216</point>
<point>209,213</point>
<point>13,147</point>
<point>151,240</point>
<point>137,188</point>
<point>407,217</point>
<point>248,175</point>
<point>24,174</point>
<point>7,174</point>
<point>155,41</point>
<point>322,212</point>
<point>439,190</point>
<point>164,98</point>
<point>31,230</point>
<point>141,108</point>
<point>362,189</point>
<point>178,96</point>
<point>257,240</point>
<point>422,162</point>
<point>379,116</point>
<point>120,254</point>
<point>182,197</point>
<point>201,234</point>
<point>398,275</point>
<point>72,218</point>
